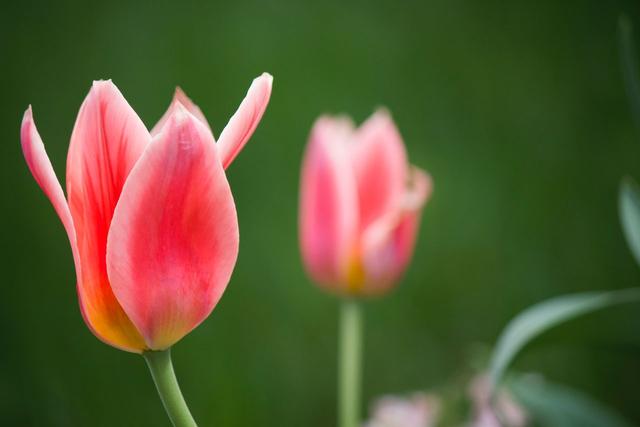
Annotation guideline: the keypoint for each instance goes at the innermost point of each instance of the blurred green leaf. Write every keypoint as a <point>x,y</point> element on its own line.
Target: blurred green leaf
<point>629,206</point>
<point>629,65</point>
<point>550,404</point>
<point>543,316</point>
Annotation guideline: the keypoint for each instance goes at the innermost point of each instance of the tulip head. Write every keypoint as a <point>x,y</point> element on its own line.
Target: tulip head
<point>149,215</point>
<point>360,205</point>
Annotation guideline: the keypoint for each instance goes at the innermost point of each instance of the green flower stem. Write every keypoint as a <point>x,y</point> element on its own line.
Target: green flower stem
<point>349,364</point>
<point>164,377</point>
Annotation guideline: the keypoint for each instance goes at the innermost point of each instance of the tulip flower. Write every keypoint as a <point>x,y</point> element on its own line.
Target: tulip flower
<point>150,218</point>
<point>360,207</point>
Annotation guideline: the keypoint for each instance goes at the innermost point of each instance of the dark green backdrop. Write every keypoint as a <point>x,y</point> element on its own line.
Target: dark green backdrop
<point>516,108</point>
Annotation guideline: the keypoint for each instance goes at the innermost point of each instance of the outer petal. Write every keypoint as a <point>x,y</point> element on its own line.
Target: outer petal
<point>380,163</point>
<point>107,140</point>
<point>179,97</point>
<point>173,242</point>
<point>42,171</point>
<point>242,124</point>
<point>328,203</point>
<point>388,244</point>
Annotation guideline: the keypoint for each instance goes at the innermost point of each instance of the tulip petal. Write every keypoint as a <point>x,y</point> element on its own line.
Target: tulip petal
<point>245,120</point>
<point>380,163</point>
<point>42,171</point>
<point>388,243</point>
<point>328,203</point>
<point>179,97</point>
<point>107,140</point>
<point>173,242</point>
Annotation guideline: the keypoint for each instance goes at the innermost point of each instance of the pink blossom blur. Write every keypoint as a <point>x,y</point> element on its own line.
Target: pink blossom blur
<point>360,205</point>
<point>418,410</point>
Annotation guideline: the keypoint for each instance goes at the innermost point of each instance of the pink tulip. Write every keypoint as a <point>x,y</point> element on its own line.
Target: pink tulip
<point>360,205</point>
<point>149,215</point>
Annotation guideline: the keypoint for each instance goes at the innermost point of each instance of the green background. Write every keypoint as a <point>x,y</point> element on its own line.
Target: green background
<point>517,109</point>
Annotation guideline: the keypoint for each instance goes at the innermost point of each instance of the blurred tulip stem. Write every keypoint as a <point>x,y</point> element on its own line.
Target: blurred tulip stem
<point>164,377</point>
<point>349,363</point>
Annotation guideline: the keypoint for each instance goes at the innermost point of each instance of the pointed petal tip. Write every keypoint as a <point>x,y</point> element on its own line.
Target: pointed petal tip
<point>263,82</point>
<point>27,126</point>
<point>382,111</point>
<point>382,117</point>
<point>181,117</point>
<point>103,90</point>
<point>339,120</point>
<point>329,129</point>
<point>266,77</point>
<point>181,97</point>
<point>98,84</point>
<point>28,115</point>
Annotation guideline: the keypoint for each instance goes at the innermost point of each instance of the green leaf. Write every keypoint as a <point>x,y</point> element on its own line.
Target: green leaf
<point>629,207</point>
<point>543,316</point>
<point>550,404</point>
<point>629,65</point>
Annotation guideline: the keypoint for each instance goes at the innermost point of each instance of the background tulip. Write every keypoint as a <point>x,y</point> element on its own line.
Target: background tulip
<point>360,207</point>
<point>150,216</point>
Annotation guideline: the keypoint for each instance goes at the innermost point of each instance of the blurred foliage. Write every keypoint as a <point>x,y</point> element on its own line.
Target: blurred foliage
<point>546,315</point>
<point>629,65</point>
<point>550,404</point>
<point>629,205</point>
<point>517,109</point>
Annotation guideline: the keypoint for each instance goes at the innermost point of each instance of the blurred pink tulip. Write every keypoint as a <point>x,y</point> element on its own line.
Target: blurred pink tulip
<point>360,205</point>
<point>149,215</point>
